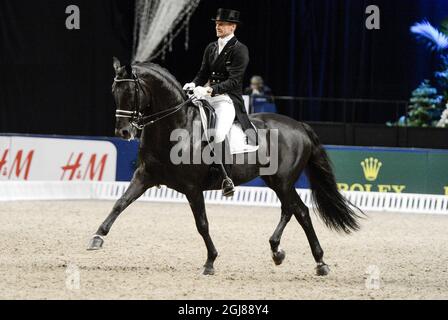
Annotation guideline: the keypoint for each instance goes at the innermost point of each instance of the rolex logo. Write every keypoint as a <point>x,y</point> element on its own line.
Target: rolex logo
<point>371,168</point>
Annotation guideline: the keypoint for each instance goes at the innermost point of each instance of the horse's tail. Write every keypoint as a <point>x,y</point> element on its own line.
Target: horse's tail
<point>333,208</point>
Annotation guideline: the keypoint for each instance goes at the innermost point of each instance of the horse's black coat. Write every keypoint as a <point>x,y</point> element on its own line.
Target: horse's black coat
<point>298,149</point>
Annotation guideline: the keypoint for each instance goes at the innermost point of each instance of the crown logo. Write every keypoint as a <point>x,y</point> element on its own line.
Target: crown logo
<point>371,168</point>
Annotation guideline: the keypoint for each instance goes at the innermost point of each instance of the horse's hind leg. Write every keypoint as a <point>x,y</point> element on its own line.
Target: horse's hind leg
<point>197,205</point>
<point>292,204</point>
<point>301,212</point>
<point>135,190</point>
<point>278,255</point>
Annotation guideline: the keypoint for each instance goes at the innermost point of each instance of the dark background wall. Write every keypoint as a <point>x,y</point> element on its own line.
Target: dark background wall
<point>57,81</point>
<point>53,80</point>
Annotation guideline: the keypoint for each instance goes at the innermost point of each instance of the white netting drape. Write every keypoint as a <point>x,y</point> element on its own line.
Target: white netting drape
<point>157,23</point>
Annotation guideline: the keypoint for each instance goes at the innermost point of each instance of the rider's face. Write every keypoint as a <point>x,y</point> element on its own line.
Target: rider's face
<point>224,29</point>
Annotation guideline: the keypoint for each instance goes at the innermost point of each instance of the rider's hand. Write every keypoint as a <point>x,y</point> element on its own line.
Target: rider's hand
<point>201,92</point>
<point>189,86</point>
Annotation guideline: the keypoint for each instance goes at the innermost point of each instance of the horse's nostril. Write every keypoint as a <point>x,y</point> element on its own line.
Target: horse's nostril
<point>125,133</point>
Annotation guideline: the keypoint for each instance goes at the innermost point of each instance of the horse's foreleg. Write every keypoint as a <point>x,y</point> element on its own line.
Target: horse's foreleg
<point>135,190</point>
<point>198,207</point>
<point>278,255</point>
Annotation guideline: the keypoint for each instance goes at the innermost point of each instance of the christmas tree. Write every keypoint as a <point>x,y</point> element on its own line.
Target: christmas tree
<point>426,105</point>
<point>424,109</point>
<point>443,123</point>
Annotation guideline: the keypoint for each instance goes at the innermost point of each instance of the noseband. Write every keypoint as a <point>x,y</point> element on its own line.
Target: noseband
<point>137,118</point>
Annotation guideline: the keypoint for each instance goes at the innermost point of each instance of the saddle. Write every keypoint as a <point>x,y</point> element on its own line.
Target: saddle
<point>210,114</point>
<point>236,137</point>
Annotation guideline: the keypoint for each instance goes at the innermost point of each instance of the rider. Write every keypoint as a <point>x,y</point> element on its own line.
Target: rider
<point>220,81</point>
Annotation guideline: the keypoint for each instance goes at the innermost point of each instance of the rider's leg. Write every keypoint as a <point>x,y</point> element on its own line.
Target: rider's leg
<point>225,116</point>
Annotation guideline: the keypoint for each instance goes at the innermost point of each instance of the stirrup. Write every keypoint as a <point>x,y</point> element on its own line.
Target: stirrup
<point>228,188</point>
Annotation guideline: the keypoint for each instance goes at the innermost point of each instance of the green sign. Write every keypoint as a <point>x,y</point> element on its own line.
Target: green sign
<point>390,170</point>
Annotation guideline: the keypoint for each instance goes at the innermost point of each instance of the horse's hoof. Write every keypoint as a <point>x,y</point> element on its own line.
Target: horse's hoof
<point>208,271</point>
<point>278,257</point>
<point>322,270</point>
<point>96,243</point>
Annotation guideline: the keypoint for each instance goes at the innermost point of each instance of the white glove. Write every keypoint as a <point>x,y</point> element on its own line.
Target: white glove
<point>189,86</point>
<point>201,92</point>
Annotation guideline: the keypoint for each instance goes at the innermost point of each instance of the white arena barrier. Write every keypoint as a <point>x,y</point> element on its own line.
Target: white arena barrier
<point>244,196</point>
<point>33,190</point>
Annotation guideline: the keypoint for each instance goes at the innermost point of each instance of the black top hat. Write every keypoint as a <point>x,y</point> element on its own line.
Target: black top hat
<point>228,15</point>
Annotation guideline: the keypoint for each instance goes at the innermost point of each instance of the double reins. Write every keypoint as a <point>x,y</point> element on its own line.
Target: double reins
<point>138,119</point>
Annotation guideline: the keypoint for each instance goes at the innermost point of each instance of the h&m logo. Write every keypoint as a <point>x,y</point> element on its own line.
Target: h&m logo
<point>84,170</point>
<point>20,167</point>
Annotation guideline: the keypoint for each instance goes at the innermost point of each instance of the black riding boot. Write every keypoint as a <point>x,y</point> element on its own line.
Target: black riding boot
<point>227,186</point>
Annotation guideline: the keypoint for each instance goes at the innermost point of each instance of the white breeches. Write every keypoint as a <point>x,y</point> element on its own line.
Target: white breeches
<point>225,115</point>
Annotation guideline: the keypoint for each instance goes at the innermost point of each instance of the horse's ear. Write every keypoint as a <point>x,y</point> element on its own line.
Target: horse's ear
<point>117,64</point>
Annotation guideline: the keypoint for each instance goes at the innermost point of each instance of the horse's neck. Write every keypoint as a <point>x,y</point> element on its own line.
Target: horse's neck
<point>157,137</point>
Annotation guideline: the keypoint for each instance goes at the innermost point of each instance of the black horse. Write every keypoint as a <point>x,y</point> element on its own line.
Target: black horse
<point>146,92</point>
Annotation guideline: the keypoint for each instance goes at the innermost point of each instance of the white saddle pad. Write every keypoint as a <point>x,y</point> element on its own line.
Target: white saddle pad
<point>238,141</point>
<point>236,136</point>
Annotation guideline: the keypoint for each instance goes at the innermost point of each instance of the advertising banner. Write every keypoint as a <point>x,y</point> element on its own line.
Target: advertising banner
<point>49,159</point>
<point>110,159</point>
<point>390,170</point>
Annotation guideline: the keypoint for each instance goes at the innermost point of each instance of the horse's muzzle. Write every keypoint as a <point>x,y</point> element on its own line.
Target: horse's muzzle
<point>124,133</point>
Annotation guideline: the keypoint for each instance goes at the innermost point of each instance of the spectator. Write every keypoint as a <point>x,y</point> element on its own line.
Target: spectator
<point>258,88</point>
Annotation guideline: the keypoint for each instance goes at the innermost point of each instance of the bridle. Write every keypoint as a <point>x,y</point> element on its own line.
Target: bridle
<point>136,116</point>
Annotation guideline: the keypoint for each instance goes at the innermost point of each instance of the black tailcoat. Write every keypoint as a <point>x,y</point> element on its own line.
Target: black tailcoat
<point>225,73</point>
